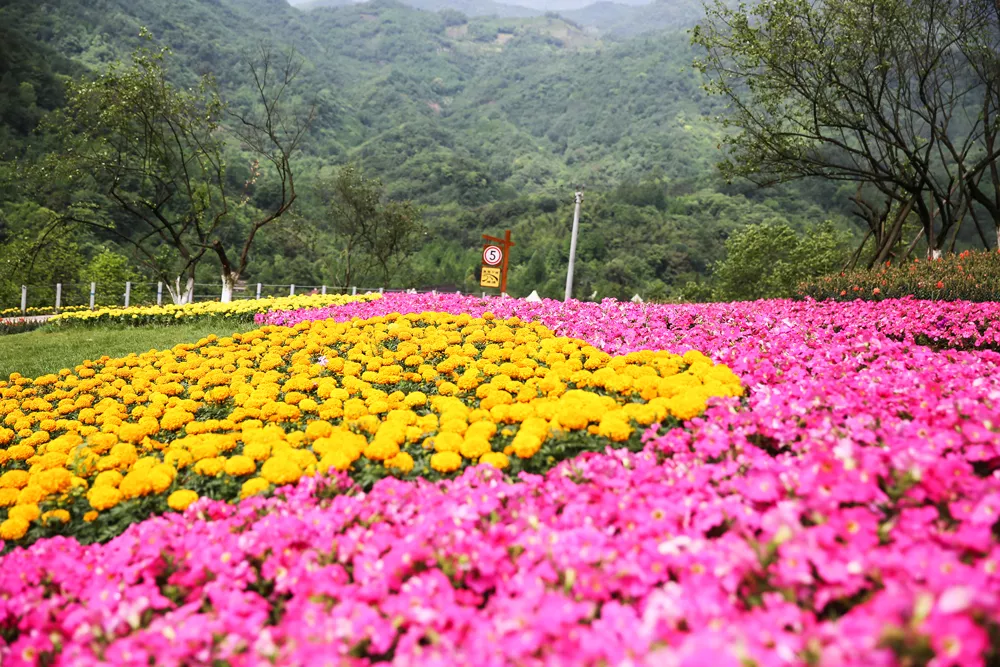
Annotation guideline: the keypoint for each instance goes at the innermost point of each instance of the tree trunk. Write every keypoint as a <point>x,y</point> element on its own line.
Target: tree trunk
<point>228,283</point>
<point>179,296</point>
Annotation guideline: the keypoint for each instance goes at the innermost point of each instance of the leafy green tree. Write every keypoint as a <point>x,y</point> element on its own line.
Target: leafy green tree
<point>34,254</point>
<point>902,96</point>
<point>769,260</point>
<point>155,152</point>
<point>375,237</point>
<point>110,271</point>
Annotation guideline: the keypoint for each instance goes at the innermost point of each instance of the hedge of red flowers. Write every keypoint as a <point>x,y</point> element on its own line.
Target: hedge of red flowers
<point>845,512</point>
<point>971,276</point>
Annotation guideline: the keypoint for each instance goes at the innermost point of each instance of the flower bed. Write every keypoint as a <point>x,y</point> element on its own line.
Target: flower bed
<point>972,276</point>
<point>39,310</point>
<point>89,451</point>
<point>844,513</point>
<point>242,310</point>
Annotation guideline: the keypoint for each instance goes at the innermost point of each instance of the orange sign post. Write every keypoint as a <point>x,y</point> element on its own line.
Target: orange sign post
<point>496,259</point>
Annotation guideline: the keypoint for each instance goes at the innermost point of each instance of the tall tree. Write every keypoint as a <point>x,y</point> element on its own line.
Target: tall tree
<point>375,236</point>
<point>898,95</point>
<point>155,153</point>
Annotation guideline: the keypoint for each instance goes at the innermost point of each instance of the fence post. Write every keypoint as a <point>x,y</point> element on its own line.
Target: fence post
<point>93,294</point>
<point>159,293</point>
<point>24,299</point>
<point>128,292</point>
<point>258,290</point>
<point>354,290</point>
<point>291,290</point>
<point>381,290</point>
<point>58,296</point>
<point>323,291</point>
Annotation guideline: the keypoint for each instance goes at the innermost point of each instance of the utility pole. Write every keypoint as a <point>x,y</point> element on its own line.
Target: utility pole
<point>572,244</point>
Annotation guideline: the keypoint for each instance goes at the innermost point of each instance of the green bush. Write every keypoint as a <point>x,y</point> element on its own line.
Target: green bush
<point>768,260</point>
<point>969,276</point>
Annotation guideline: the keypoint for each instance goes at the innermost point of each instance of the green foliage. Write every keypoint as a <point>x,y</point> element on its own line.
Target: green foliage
<point>969,276</point>
<point>111,270</point>
<point>485,123</point>
<point>840,90</point>
<point>376,236</point>
<point>34,254</point>
<point>769,260</point>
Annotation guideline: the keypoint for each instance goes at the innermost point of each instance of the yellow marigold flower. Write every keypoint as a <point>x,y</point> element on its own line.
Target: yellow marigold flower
<point>526,444</point>
<point>257,450</point>
<point>100,443</point>
<point>381,449</point>
<point>318,429</point>
<point>28,512</point>
<point>446,442</point>
<point>31,494</point>
<point>335,459</point>
<point>55,480</point>
<point>181,499</point>
<point>253,486</point>
<point>415,399</point>
<point>108,478</point>
<point>125,453</point>
<point>240,465</point>
<point>104,497</point>
<point>691,357</point>
<point>687,405</point>
<point>13,529</point>
<point>135,484</point>
<point>446,461</point>
<point>495,459</point>
<point>174,419</point>
<point>281,470</point>
<point>203,449</point>
<point>218,394</point>
<point>303,457</point>
<point>179,458</point>
<point>474,447</point>
<point>90,516</point>
<point>573,417</point>
<point>614,428</point>
<point>133,433</point>
<point>401,461</point>
<point>8,497</point>
<point>14,479</point>
<point>21,452</point>
<point>60,515</point>
<point>159,480</point>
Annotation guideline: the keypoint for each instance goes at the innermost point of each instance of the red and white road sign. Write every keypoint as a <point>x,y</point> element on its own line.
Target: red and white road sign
<point>492,255</point>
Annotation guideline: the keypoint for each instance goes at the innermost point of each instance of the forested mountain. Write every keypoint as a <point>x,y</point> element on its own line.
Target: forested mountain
<point>486,122</point>
<point>516,8</point>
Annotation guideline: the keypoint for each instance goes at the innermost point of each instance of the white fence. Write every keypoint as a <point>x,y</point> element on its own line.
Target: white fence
<point>77,296</point>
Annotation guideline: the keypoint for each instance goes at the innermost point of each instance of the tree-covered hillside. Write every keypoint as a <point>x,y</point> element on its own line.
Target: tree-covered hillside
<point>486,123</point>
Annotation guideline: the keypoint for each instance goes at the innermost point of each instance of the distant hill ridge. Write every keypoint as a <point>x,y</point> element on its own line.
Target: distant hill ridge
<point>620,18</point>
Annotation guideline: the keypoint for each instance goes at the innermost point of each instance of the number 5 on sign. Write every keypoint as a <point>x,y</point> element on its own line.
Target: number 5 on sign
<point>492,255</point>
<point>490,277</point>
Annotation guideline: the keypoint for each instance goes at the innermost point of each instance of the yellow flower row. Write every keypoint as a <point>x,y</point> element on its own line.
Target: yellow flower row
<point>40,310</point>
<point>423,394</point>
<point>243,309</point>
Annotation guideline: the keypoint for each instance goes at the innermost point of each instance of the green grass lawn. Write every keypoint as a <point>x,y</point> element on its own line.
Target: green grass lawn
<point>49,350</point>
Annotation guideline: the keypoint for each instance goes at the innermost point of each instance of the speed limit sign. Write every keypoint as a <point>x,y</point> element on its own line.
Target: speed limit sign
<point>492,255</point>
